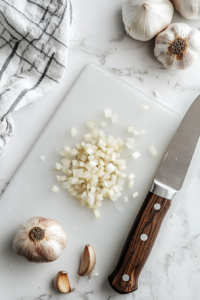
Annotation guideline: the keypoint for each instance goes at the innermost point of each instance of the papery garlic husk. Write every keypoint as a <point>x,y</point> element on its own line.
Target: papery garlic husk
<point>62,284</point>
<point>40,240</point>
<point>189,9</point>
<point>88,261</point>
<point>178,46</point>
<point>144,19</point>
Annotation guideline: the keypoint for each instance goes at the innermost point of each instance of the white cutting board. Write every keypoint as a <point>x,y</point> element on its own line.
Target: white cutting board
<point>29,194</point>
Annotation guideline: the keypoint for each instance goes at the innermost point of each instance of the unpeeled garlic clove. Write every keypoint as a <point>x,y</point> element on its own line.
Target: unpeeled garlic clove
<point>88,261</point>
<point>61,283</point>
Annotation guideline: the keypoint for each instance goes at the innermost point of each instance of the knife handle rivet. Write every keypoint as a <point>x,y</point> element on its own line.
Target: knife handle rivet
<point>125,277</point>
<point>144,237</point>
<point>157,206</point>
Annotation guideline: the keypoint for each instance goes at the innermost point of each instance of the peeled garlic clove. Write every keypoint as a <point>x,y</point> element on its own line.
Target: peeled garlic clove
<point>178,46</point>
<point>61,283</point>
<point>40,240</point>
<point>189,9</point>
<point>144,19</point>
<point>88,261</point>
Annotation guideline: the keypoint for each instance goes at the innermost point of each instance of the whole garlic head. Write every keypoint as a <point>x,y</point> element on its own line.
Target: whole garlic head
<point>40,240</point>
<point>189,9</point>
<point>144,19</point>
<point>178,46</point>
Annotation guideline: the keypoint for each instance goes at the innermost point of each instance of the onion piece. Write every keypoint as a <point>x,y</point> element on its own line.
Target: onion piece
<point>145,107</point>
<point>62,152</point>
<point>131,184</point>
<point>136,194</point>
<point>107,112</point>
<point>126,199</point>
<point>114,118</point>
<point>153,150</point>
<point>130,129</point>
<point>136,155</point>
<point>55,189</point>
<point>131,176</point>
<point>73,132</point>
<point>90,124</point>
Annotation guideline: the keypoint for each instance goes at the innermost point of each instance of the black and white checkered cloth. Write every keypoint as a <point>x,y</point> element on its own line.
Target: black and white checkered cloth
<point>34,41</point>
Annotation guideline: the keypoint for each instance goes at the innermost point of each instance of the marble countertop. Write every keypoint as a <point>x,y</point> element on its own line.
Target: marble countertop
<point>98,36</point>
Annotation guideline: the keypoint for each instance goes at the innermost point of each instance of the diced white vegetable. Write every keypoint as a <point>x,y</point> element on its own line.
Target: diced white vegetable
<point>67,149</point>
<point>110,168</point>
<point>74,193</point>
<point>136,155</point>
<point>65,169</point>
<point>89,151</point>
<point>90,124</point>
<point>74,162</point>
<point>120,181</point>
<point>103,124</point>
<point>74,180</point>
<point>69,172</point>
<point>129,145</point>
<point>126,199</point>
<point>111,193</point>
<point>130,129</point>
<point>74,152</point>
<point>131,183</point>
<point>63,178</point>
<point>58,166</point>
<point>131,176</point>
<point>153,151</point>
<point>73,132</point>
<point>66,185</point>
<point>97,213</point>
<point>136,194</point>
<point>145,107</point>
<point>42,158</point>
<point>62,152</point>
<point>99,197</point>
<point>114,118</point>
<point>58,178</point>
<point>90,199</point>
<point>107,112</point>
<point>55,189</point>
<point>65,161</point>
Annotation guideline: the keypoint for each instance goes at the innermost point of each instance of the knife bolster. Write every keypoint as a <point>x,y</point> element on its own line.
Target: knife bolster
<point>162,190</point>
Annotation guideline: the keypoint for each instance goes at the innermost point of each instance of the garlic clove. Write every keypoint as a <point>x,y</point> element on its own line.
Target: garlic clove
<point>88,261</point>
<point>40,240</point>
<point>61,283</point>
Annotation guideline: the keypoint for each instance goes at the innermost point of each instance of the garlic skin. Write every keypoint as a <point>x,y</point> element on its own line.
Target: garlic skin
<point>40,240</point>
<point>178,46</point>
<point>144,19</point>
<point>88,261</point>
<point>189,9</point>
<point>62,284</point>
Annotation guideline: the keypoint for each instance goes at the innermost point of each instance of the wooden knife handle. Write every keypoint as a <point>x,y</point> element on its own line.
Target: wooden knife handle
<point>136,250</point>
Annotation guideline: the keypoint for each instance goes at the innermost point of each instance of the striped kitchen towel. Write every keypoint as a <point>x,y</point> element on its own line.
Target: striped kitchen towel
<point>34,43</point>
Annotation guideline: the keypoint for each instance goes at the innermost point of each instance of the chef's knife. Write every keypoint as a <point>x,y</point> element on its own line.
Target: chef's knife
<point>169,179</point>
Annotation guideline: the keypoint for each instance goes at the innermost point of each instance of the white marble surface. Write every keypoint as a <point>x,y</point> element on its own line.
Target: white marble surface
<point>98,36</point>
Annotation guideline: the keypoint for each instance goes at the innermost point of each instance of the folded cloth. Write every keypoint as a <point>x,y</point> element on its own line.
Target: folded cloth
<point>34,43</point>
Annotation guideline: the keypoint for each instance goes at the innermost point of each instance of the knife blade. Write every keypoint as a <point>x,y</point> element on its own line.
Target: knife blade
<point>168,181</point>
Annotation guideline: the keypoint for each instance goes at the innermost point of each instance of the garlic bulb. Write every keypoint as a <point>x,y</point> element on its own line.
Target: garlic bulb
<point>62,284</point>
<point>40,240</point>
<point>189,9</point>
<point>178,46</point>
<point>88,261</point>
<point>144,19</point>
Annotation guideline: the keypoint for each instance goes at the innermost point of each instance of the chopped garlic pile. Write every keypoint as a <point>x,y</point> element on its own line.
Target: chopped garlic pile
<point>94,170</point>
